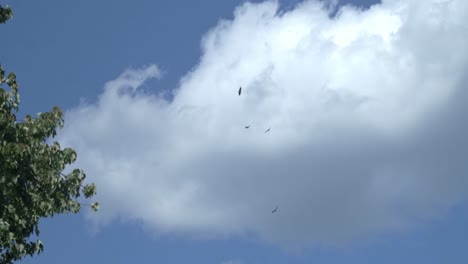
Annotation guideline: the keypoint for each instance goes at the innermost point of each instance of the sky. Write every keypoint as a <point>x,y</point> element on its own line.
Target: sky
<point>364,102</point>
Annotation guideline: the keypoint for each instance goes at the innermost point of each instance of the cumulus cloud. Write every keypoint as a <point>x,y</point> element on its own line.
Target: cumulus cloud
<point>366,110</point>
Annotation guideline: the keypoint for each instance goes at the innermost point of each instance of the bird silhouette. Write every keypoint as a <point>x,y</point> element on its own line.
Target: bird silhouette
<point>274,211</point>
<point>268,130</point>
<point>240,91</point>
<point>247,126</point>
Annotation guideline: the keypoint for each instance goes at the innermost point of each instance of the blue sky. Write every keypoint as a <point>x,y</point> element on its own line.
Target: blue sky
<point>365,156</point>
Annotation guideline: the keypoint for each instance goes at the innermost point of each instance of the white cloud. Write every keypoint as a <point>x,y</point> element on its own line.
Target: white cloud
<point>366,113</point>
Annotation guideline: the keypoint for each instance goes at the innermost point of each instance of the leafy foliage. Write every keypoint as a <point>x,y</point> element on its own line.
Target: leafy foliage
<point>5,14</point>
<point>32,185</point>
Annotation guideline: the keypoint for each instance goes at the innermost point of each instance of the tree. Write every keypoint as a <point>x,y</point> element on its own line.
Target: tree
<point>32,185</point>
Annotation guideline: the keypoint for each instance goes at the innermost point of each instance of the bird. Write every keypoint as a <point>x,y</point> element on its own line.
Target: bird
<point>268,130</point>
<point>240,91</point>
<point>274,211</point>
<point>247,126</point>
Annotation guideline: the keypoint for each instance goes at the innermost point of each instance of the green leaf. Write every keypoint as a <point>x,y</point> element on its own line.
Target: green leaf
<point>95,206</point>
<point>31,182</point>
<point>5,14</point>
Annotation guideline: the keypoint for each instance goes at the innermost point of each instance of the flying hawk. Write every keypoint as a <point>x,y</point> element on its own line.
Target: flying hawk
<point>240,91</point>
<point>247,126</point>
<point>268,130</point>
<point>274,211</point>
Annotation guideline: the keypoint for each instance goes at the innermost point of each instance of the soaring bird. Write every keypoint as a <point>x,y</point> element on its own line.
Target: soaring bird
<point>247,126</point>
<point>274,211</point>
<point>268,130</point>
<point>240,91</point>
